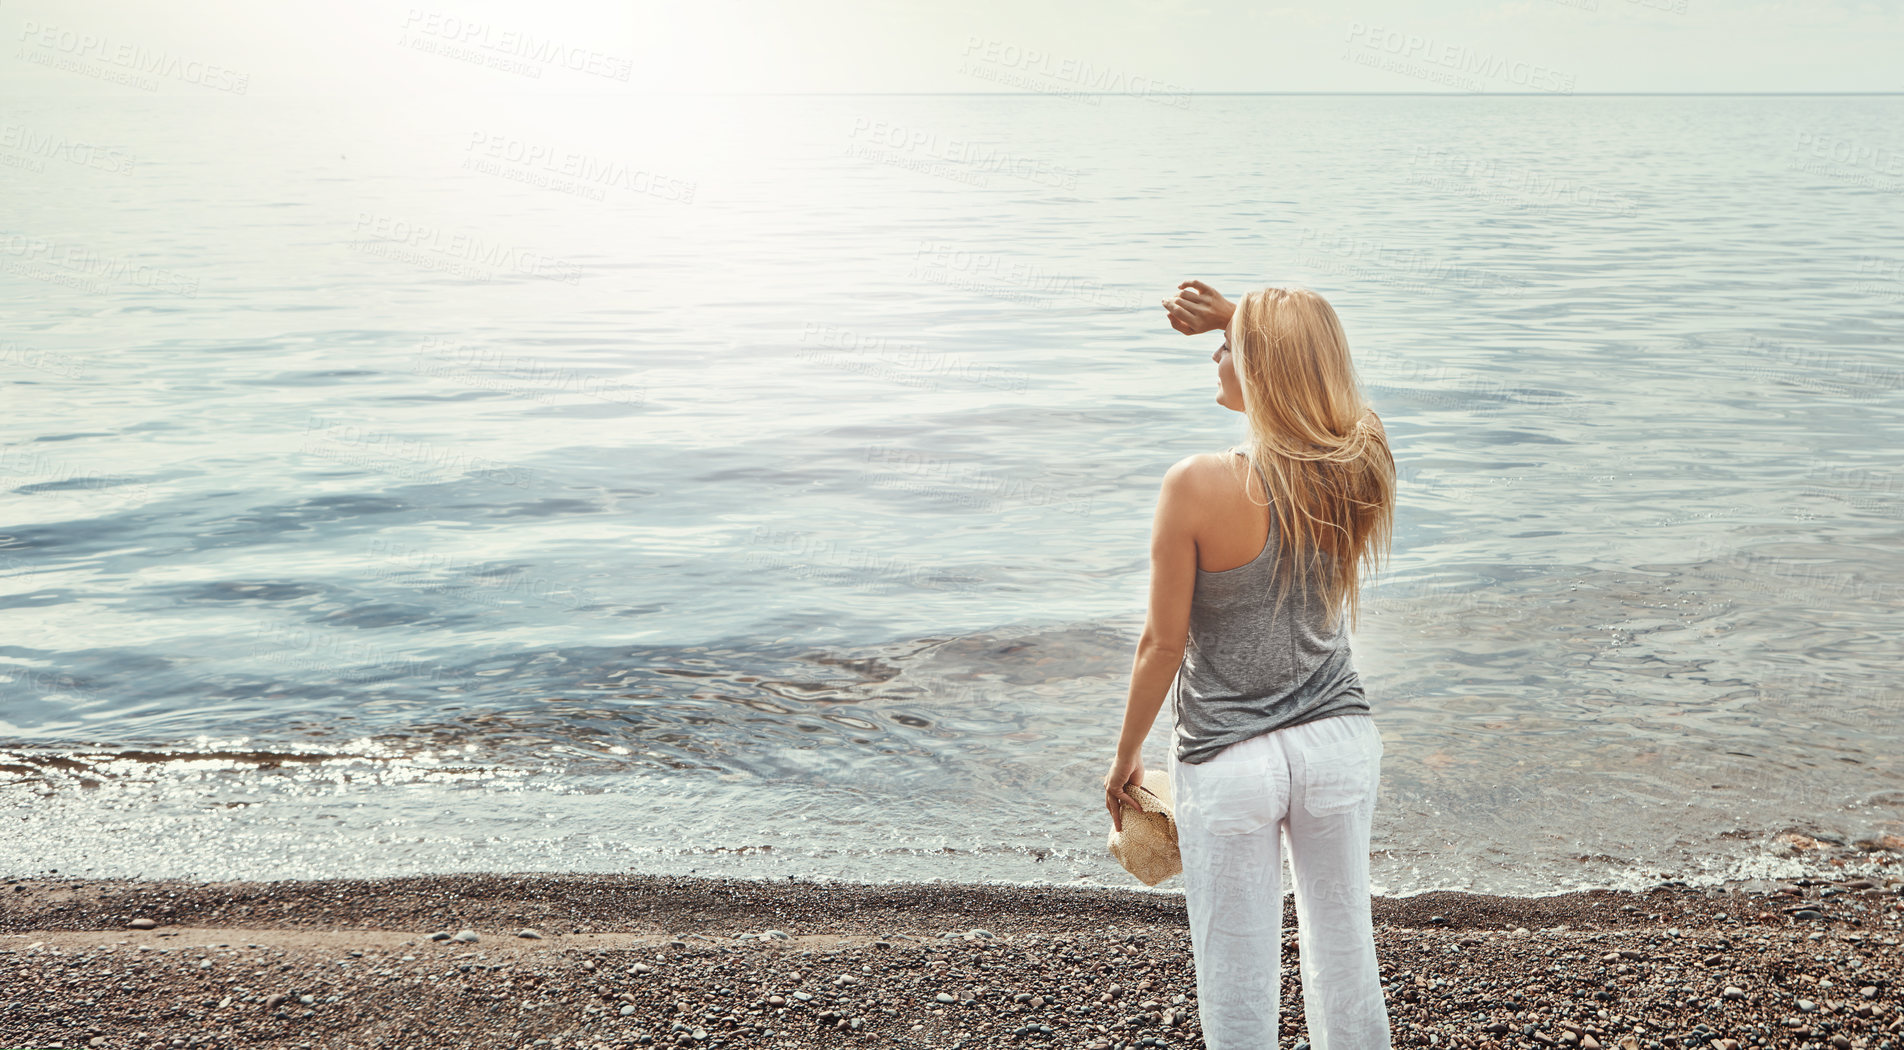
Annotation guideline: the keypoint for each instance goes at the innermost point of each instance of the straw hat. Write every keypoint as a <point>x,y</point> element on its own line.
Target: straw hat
<point>1147,847</point>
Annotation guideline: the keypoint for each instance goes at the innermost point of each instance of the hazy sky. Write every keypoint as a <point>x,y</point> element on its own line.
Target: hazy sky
<point>257,47</point>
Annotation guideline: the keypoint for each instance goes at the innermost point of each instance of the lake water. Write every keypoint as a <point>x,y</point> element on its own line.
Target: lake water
<point>761,486</point>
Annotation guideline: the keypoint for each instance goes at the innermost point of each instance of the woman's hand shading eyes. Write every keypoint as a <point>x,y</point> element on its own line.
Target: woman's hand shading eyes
<point>1198,308</point>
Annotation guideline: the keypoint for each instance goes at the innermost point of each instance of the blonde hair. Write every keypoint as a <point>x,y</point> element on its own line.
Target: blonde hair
<point>1320,444</point>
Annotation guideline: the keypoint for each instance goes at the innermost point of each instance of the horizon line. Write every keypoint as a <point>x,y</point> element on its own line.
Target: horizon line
<point>1128,94</point>
<point>1175,94</point>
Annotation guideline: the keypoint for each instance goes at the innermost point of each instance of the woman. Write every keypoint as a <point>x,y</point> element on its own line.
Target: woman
<point>1254,553</point>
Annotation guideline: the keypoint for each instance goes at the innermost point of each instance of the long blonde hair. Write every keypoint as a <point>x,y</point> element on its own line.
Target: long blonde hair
<point>1320,444</point>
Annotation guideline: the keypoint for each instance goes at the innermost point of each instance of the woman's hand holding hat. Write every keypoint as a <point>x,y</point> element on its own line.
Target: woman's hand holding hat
<point>1125,773</point>
<point>1146,843</point>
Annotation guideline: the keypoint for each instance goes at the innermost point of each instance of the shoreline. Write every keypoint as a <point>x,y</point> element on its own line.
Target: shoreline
<point>620,958</point>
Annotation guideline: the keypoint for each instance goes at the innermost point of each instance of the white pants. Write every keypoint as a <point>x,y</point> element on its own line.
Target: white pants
<point>1315,785</point>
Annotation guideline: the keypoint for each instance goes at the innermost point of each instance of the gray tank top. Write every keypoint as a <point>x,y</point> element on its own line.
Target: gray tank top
<point>1248,670</point>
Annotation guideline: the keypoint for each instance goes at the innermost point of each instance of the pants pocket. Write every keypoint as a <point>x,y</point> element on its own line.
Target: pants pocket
<point>1340,776</point>
<point>1229,801</point>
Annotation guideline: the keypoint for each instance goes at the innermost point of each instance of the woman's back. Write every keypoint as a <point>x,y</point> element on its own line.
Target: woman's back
<point>1273,740</point>
<point>1249,667</point>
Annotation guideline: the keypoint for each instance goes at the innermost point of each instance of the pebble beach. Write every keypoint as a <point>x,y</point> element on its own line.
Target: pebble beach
<point>591,962</point>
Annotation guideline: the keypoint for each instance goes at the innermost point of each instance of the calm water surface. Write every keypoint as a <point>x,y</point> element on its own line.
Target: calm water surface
<point>762,486</point>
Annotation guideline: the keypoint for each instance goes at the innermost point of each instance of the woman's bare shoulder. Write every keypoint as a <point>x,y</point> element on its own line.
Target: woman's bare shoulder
<point>1204,471</point>
<point>1198,464</point>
